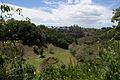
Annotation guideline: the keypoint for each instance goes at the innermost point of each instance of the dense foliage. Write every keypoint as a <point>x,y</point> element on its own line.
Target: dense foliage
<point>12,64</point>
<point>104,67</point>
<point>62,36</point>
<point>21,30</point>
<point>116,18</point>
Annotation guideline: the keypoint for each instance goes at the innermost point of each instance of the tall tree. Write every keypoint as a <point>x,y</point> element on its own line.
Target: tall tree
<point>116,18</point>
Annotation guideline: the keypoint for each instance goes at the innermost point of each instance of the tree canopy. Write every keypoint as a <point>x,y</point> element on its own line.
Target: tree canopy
<point>116,18</point>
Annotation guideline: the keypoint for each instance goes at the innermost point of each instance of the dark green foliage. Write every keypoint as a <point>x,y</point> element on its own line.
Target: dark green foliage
<point>12,65</point>
<point>73,52</point>
<point>29,34</point>
<point>62,37</point>
<point>36,50</point>
<point>39,51</point>
<point>16,69</point>
<point>22,30</point>
<point>1,61</point>
<point>61,73</point>
<point>116,18</point>
<point>11,29</point>
<point>110,58</point>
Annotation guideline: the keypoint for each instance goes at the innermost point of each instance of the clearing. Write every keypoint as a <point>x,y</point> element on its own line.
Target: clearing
<point>62,55</point>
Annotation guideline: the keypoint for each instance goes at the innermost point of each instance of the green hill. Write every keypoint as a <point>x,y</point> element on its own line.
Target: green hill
<point>62,55</point>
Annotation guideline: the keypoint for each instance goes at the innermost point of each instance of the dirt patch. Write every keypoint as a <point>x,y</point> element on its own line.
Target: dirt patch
<point>49,61</point>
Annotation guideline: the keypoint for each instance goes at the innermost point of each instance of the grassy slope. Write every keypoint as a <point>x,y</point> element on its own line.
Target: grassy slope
<point>63,55</point>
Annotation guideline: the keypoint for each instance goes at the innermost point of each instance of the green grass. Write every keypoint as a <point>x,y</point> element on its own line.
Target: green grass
<point>63,55</point>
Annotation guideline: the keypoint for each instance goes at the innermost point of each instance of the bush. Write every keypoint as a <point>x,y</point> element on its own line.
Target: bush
<point>13,66</point>
<point>105,67</point>
<point>73,52</point>
<point>11,50</point>
<point>39,51</point>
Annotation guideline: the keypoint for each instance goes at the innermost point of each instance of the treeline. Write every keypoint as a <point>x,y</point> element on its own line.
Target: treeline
<point>63,36</point>
<point>30,34</point>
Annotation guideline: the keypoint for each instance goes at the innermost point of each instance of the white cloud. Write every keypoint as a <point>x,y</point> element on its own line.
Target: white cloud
<point>84,14</point>
<point>52,2</point>
<point>80,1</point>
<point>77,1</point>
<point>85,1</point>
<point>70,1</point>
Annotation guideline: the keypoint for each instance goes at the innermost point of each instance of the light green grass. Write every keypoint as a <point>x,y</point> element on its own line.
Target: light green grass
<point>63,55</point>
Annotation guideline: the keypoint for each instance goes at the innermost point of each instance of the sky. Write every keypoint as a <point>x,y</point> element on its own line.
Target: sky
<point>85,13</point>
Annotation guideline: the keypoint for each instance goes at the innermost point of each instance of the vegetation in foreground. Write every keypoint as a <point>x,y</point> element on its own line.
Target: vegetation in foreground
<point>100,63</point>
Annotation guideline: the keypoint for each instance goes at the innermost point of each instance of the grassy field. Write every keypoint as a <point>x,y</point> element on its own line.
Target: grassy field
<point>63,55</point>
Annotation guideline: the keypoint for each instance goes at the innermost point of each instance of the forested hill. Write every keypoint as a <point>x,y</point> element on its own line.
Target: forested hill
<point>31,34</point>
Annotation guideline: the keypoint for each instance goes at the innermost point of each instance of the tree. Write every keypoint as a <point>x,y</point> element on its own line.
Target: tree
<point>39,51</point>
<point>11,29</point>
<point>29,33</point>
<point>6,11</point>
<point>11,67</point>
<point>5,15</point>
<point>116,18</point>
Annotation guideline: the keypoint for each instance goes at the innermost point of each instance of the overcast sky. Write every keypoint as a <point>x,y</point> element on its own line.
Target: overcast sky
<point>86,13</point>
